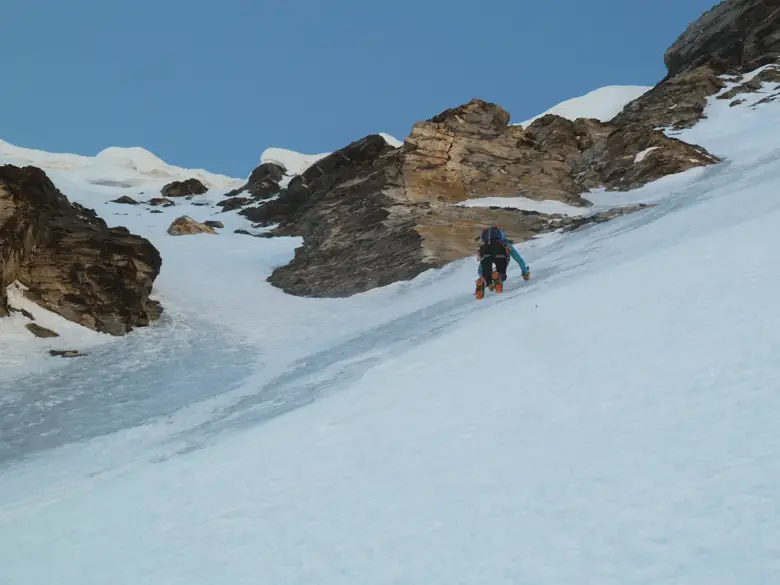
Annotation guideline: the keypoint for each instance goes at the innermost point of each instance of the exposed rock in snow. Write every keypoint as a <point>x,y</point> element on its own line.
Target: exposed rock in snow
<point>185,188</point>
<point>41,332</point>
<point>186,226</point>
<point>602,104</point>
<point>161,201</point>
<point>125,200</point>
<point>214,224</point>
<point>263,182</point>
<point>71,263</point>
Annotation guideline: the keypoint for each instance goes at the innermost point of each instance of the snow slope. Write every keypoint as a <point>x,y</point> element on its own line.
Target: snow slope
<point>603,104</point>
<point>614,420</point>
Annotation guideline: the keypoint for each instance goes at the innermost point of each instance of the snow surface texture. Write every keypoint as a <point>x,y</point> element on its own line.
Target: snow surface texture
<point>612,421</point>
<point>603,104</point>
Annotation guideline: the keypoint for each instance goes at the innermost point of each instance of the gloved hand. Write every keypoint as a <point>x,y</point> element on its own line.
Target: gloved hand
<point>527,274</point>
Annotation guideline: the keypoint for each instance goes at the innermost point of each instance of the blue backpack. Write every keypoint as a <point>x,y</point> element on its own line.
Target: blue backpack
<point>493,234</point>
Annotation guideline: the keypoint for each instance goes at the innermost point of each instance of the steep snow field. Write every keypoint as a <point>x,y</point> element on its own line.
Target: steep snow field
<point>614,420</point>
<point>603,104</point>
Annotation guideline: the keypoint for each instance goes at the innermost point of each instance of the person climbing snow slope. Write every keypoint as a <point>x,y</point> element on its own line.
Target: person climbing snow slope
<point>495,250</point>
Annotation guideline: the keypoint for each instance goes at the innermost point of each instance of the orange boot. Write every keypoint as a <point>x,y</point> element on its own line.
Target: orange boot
<point>480,292</point>
<point>499,285</point>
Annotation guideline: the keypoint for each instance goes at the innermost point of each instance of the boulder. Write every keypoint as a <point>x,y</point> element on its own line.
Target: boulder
<point>41,332</point>
<point>186,226</point>
<point>263,182</point>
<point>66,353</point>
<point>161,202</point>
<point>186,188</point>
<point>124,199</point>
<point>69,261</point>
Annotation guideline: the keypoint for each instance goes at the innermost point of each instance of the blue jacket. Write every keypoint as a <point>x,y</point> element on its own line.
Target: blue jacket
<point>515,256</point>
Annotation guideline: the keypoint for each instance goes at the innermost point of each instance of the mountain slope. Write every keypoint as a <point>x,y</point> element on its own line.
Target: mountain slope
<point>442,441</point>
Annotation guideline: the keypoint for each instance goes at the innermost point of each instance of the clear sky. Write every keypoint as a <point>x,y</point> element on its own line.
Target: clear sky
<point>212,84</point>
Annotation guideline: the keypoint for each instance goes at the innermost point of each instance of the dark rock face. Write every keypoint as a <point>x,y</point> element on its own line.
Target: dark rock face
<point>69,260</point>
<point>186,188</point>
<point>263,182</point>
<point>734,37</point>
<point>739,34</point>
<point>233,203</point>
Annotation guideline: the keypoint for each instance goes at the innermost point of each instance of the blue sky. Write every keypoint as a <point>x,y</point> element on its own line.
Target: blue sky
<point>212,84</point>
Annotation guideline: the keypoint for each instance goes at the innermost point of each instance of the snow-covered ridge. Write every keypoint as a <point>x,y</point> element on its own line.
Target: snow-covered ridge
<point>603,104</point>
<point>114,166</point>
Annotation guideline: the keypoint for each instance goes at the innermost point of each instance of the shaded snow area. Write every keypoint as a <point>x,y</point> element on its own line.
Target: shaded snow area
<point>547,206</point>
<point>611,421</point>
<point>603,104</point>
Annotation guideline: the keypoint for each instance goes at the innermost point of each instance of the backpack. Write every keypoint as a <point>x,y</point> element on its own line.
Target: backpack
<point>493,234</point>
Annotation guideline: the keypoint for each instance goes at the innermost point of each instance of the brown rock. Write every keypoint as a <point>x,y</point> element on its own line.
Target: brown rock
<point>186,188</point>
<point>66,353</point>
<point>186,226</point>
<point>161,201</point>
<point>39,331</point>
<point>68,259</point>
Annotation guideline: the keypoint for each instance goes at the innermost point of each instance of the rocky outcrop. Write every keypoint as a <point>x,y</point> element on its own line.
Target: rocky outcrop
<point>187,188</point>
<point>734,37</point>
<point>69,261</point>
<point>371,214</point>
<point>186,226</point>
<point>263,182</point>
<point>737,34</point>
<point>471,152</point>
<point>676,103</point>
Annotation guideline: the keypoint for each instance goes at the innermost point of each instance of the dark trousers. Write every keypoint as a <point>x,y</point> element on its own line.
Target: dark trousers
<point>493,254</point>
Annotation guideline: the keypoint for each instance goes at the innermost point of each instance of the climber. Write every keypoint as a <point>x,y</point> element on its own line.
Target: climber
<point>496,249</point>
